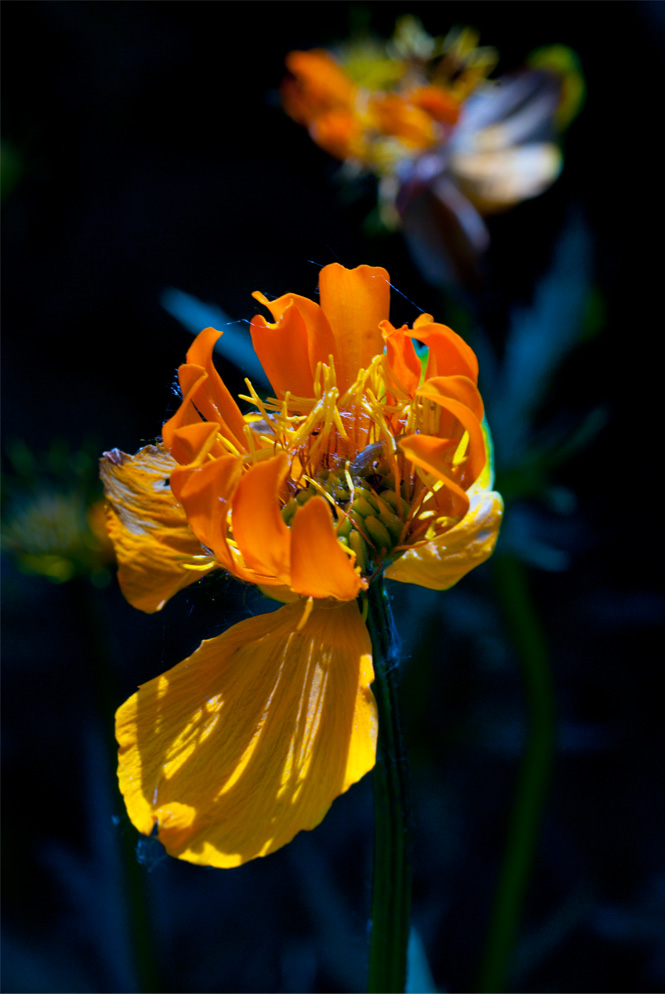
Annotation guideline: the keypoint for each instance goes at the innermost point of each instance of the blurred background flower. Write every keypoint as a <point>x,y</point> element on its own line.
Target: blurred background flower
<point>447,144</point>
<point>151,156</point>
<point>54,520</point>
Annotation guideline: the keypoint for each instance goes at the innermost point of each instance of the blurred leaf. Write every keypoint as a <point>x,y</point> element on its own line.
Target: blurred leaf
<point>235,344</point>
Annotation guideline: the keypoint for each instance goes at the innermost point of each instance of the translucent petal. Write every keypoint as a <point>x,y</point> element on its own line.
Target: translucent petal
<point>157,552</point>
<point>442,562</point>
<point>250,739</point>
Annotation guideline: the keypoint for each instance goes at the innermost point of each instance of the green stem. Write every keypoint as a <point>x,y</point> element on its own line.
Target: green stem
<point>89,607</point>
<point>526,817</point>
<point>391,889</point>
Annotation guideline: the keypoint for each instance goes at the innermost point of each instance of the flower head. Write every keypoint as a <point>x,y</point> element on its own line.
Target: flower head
<point>421,115</point>
<point>370,457</point>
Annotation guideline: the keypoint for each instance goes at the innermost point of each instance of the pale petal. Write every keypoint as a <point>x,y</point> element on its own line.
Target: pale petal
<point>442,562</point>
<point>249,741</point>
<point>157,552</point>
<point>497,179</point>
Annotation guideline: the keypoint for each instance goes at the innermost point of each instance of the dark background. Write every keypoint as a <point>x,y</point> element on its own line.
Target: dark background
<point>144,149</point>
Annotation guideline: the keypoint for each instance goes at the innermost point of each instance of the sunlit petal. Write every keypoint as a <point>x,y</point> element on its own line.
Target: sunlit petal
<point>250,739</point>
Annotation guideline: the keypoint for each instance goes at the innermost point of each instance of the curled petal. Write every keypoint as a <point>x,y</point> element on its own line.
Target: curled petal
<point>403,364</point>
<point>258,526</point>
<point>206,493</point>
<point>250,739</point>
<point>205,397</point>
<point>319,341</point>
<point>282,349</point>
<point>440,563</point>
<point>438,391</point>
<point>157,552</point>
<point>313,543</point>
<point>433,455</point>
<point>449,355</point>
<point>223,407</point>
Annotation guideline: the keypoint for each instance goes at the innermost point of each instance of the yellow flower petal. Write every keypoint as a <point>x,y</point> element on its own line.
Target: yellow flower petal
<point>442,562</point>
<point>250,739</point>
<point>157,552</point>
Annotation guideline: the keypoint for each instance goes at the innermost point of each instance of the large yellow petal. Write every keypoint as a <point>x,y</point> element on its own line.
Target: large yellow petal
<point>249,741</point>
<point>157,552</point>
<point>442,562</point>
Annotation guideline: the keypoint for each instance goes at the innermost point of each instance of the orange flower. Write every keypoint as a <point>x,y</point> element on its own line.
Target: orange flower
<point>366,460</point>
<point>382,108</point>
<point>447,146</point>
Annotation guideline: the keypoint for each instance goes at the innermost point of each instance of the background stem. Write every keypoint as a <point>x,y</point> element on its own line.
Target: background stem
<point>533,783</point>
<point>391,890</point>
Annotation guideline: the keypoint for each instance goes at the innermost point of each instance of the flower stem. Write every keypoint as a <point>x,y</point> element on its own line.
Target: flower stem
<point>391,889</point>
<point>524,827</point>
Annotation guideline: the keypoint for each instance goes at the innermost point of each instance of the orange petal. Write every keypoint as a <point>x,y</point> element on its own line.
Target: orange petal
<point>283,351</point>
<point>435,390</point>
<point>459,388</point>
<point>404,365</point>
<point>339,133</point>
<point>157,552</point>
<point>206,494</point>
<point>320,84</point>
<point>227,411</point>
<point>433,455</point>
<point>391,114</point>
<point>438,103</point>
<point>249,741</point>
<point>258,527</point>
<point>355,301</point>
<point>445,560</point>
<point>449,355</point>
<point>193,442</point>
<point>319,565</point>
<point>320,341</point>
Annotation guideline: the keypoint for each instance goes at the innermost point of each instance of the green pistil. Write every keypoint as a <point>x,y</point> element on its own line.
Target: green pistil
<point>370,516</point>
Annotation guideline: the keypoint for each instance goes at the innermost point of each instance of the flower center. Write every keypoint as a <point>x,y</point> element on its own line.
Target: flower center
<point>371,519</point>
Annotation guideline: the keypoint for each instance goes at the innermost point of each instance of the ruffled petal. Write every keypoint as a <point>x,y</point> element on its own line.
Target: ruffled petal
<point>250,739</point>
<point>282,349</point>
<point>320,341</point>
<point>355,301</point>
<point>442,562</point>
<point>319,565</point>
<point>157,552</point>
